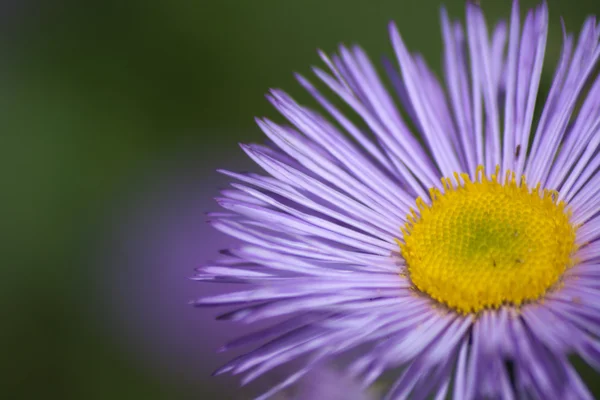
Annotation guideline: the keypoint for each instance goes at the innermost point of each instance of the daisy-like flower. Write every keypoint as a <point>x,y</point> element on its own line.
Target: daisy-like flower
<point>450,238</point>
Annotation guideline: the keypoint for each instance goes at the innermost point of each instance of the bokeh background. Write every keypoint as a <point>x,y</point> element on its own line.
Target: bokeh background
<point>115,115</point>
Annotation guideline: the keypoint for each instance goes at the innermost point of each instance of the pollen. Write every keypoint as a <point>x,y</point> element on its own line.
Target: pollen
<point>488,242</point>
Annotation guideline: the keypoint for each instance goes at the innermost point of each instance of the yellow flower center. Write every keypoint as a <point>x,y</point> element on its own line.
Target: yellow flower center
<point>486,243</point>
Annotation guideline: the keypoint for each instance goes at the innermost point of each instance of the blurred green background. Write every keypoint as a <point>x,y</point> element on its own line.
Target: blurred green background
<point>115,115</point>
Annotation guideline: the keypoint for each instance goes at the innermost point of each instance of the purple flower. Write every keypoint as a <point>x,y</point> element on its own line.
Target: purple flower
<point>452,238</point>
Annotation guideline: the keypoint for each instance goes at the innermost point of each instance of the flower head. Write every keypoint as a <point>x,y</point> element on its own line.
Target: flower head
<point>464,251</point>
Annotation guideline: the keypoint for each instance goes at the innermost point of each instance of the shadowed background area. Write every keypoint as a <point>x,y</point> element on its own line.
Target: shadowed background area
<point>115,116</point>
